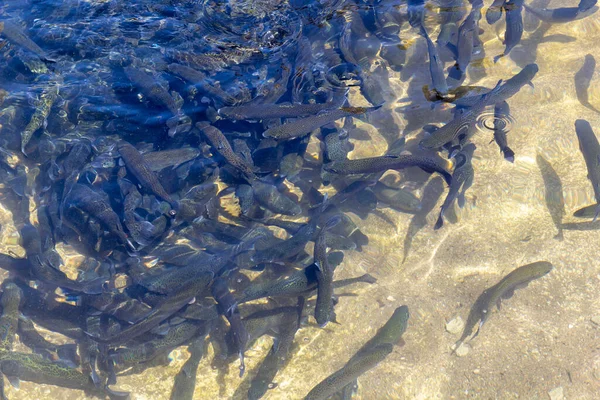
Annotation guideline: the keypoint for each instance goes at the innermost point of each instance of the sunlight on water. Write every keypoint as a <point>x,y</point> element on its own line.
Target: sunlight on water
<point>159,74</point>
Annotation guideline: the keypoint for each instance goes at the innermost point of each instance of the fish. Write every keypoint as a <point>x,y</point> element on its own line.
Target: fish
<point>590,149</point>
<point>9,320</point>
<point>390,333</point>
<point>143,173</point>
<point>501,111</point>
<point>295,284</point>
<point>503,92</point>
<point>386,162</point>
<point>564,14</point>
<point>202,82</point>
<point>350,372</point>
<point>586,212</point>
<point>227,306</point>
<point>86,199</point>
<point>185,380</point>
<point>18,366</point>
<point>13,32</point>
<point>514,26</point>
<point>159,160</point>
<point>148,350</point>
<point>461,126</point>
<point>30,337</point>
<point>583,78</point>
<point>399,199</point>
<point>504,289</point>
<point>462,179</point>
<point>304,126</point>
<point>436,66</point>
<point>464,45</point>
<point>42,110</point>
<point>278,356</point>
<point>553,194</point>
<point>268,111</point>
<point>272,199</point>
<point>324,273</point>
<point>221,144</point>
<point>164,309</point>
<point>451,13</point>
<point>494,11</point>
<point>151,88</point>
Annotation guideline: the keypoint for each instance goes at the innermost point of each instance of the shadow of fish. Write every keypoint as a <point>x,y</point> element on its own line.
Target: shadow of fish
<point>431,194</point>
<point>554,193</point>
<point>583,78</point>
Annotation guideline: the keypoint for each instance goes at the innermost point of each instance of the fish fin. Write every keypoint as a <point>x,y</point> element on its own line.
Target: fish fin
<point>499,56</point>
<point>14,381</point>
<point>531,84</point>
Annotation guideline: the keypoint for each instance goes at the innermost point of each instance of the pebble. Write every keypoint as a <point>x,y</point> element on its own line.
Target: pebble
<point>596,320</point>
<point>455,325</point>
<point>556,393</point>
<point>462,350</point>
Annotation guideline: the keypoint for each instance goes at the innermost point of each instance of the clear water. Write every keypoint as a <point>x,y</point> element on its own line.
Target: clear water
<point>542,341</point>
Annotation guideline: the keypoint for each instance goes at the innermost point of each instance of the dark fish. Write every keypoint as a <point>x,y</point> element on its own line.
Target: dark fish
<point>202,82</point>
<point>158,160</point>
<point>494,11</point>
<point>272,199</point>
<point>465,44</point>
<point>514,26</point>
<point>590,149</point>
<point>15,34</point>
<point>583,78</point>
<point>399,199</point>
<point>9,320</point>
<point>164,309</point>
<point>390,333</point>
<point>277,356</point>
<point>267,111</point>
<point>501,112</point>
<point>350,372</point>
<point>436,66</point>
<point>185,380</point>
<point>383,163</point>
<point>504,289</point>
<point>135,163</point>
<point>462,179</point>
<point>151,88</point>
<point>503,92</point>
<point>586,212</point>
<point>34,368</point>
<point>295,284</point>
<point>227,306</point>
<point>146,351</point>
<point>221,144</point>
<point>304,126</point>
<point>84,198</point>
<point>324,305</point>
<point>30,337</point>
<point>554,193</point>
<point>564,14</point>
<point>451,13</point>
<point>461,126</point>
<point>42,110</point>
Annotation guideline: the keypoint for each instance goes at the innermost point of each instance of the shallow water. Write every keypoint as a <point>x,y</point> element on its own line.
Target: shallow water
<point>542,339</point>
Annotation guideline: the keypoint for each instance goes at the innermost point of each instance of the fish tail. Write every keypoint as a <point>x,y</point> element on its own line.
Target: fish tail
<point>509,155</point>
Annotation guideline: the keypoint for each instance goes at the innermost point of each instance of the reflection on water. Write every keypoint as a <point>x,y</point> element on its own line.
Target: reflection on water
<point>207,199</point>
